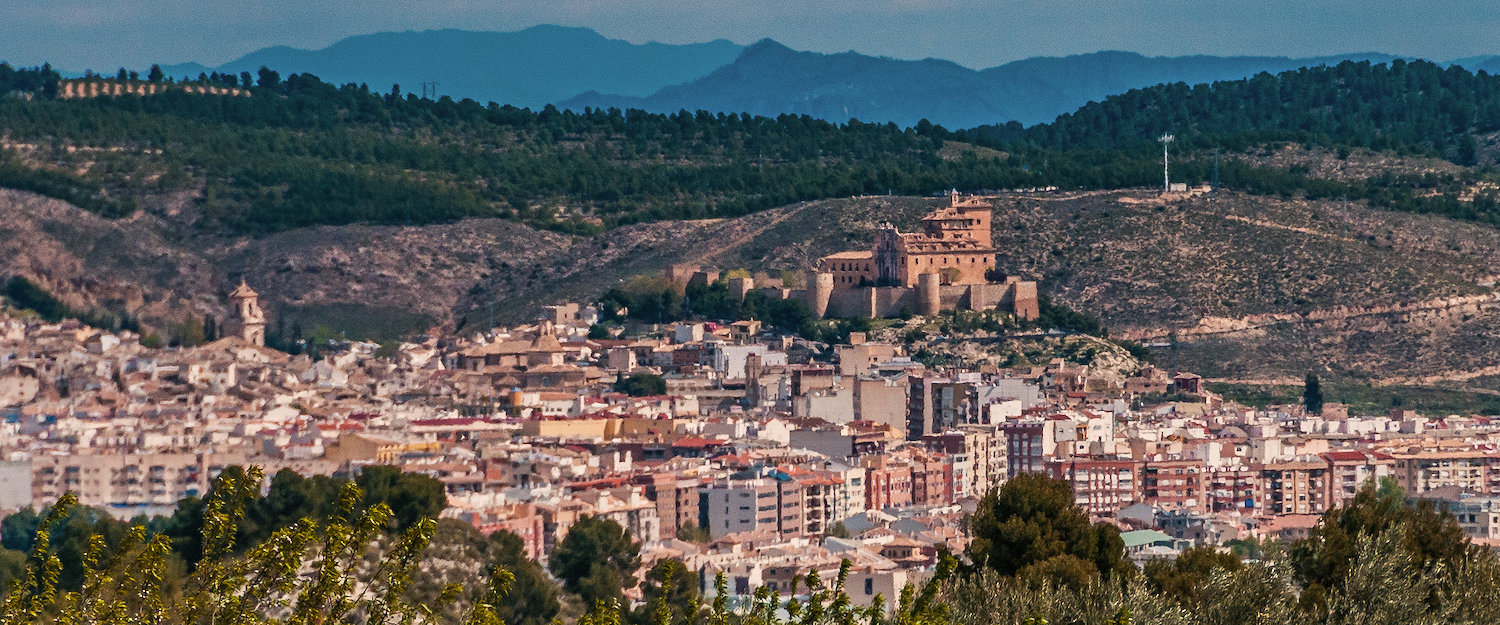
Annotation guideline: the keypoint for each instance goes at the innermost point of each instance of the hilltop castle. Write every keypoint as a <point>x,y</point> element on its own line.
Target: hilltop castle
<point>943,267</point>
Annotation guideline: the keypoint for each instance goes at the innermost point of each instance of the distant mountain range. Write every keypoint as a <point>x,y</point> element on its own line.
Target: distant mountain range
<point>531,68</point>
<point>1489,63</point>
<point>769,78</point>
<point>577,68</point>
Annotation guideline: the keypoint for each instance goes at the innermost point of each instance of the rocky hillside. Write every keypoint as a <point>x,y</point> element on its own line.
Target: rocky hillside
<point>1255,288</point>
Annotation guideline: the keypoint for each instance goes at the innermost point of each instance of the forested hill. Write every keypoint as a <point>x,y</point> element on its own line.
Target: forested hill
<point>301,152</point>
<point>1402,106</point>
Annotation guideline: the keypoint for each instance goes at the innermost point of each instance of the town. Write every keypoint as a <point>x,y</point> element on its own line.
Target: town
<point>733,447</point>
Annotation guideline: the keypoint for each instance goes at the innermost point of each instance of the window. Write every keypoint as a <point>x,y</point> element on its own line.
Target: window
<point>869,585</point>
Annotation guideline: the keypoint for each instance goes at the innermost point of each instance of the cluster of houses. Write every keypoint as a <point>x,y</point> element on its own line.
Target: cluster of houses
<point>763,456</point>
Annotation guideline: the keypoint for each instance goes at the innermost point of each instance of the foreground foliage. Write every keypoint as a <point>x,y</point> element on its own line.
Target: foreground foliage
<point>1036,560</point>
<point>356,567</point>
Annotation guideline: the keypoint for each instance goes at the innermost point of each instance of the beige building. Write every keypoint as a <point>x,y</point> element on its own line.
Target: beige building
<point>1423,471</point>
<point>373,448</point>
<point>1294,487</point>
<point>136,479</point>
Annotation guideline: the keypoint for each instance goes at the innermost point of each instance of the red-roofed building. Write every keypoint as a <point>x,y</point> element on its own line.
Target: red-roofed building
<point>696,447</point>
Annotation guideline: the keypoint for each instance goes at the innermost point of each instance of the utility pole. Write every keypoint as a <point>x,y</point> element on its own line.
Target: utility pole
<point>1166,180</point>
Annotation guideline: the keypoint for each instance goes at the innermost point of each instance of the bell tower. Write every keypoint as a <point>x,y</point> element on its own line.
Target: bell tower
<point>246,320</point>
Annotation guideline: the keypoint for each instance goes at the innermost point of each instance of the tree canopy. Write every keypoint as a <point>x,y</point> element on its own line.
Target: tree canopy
<point>642,385</point>
<point>596,560</point>
<point>1030,525</point>
<point>1430,537</point>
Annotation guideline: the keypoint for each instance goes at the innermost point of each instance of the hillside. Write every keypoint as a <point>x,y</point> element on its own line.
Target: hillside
<point>1283,285</point>
<point>769,79</point>
<point>380,216</point>
<point>1416,106</point>
<point>527,68</point>
<point>301,152</point>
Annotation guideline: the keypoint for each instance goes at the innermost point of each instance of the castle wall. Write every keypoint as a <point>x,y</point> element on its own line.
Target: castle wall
<point>890,300</point>
<point>739,287</point>
<point>825,301</point>
<point>987,296</point>
<point>855,302</point>
<point>775,293</point>
<point>1023,301</point>
<point>955,296</point>
<point>1018,298</point>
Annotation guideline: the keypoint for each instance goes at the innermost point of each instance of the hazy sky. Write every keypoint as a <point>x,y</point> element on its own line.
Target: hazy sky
<point>103,34</point>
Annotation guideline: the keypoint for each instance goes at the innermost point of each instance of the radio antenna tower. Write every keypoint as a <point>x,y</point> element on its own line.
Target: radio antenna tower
<point>1166,180</point>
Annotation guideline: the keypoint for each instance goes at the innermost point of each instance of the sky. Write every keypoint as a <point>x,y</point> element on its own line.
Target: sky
<point>105,34</point>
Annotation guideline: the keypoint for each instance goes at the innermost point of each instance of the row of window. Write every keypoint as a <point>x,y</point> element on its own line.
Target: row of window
<point>973,260</point>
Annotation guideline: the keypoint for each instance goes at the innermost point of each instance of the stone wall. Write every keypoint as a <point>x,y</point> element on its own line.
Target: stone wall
<point>1013,296</point>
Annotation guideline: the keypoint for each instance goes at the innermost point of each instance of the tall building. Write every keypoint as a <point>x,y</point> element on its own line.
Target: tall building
<point>247,321</point>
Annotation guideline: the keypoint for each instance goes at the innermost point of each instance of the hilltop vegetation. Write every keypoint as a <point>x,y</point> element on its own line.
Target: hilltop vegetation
<point>1406,108</point>
<point>303,152</point>
<point>1415,107</point>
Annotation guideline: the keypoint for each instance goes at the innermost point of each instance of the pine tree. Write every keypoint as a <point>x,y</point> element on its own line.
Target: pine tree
<point>1312,395</point>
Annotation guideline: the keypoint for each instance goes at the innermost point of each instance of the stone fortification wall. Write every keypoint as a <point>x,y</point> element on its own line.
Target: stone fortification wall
<point>824,300</point>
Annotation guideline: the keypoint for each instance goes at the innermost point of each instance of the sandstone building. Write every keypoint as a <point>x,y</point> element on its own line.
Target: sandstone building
<point>946,266</point>
<point>954,243</point>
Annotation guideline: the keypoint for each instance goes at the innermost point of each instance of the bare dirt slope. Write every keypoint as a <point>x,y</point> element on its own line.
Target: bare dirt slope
<point>1255,288</point>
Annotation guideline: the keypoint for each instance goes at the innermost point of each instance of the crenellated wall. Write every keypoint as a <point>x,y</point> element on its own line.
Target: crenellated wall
<point>1014,296</point>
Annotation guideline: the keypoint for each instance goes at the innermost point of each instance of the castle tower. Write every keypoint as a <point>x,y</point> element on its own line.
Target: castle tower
<point>819,291</point>
<point>740,287</point>
<point>246,320</point>
<point>929,294</point>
